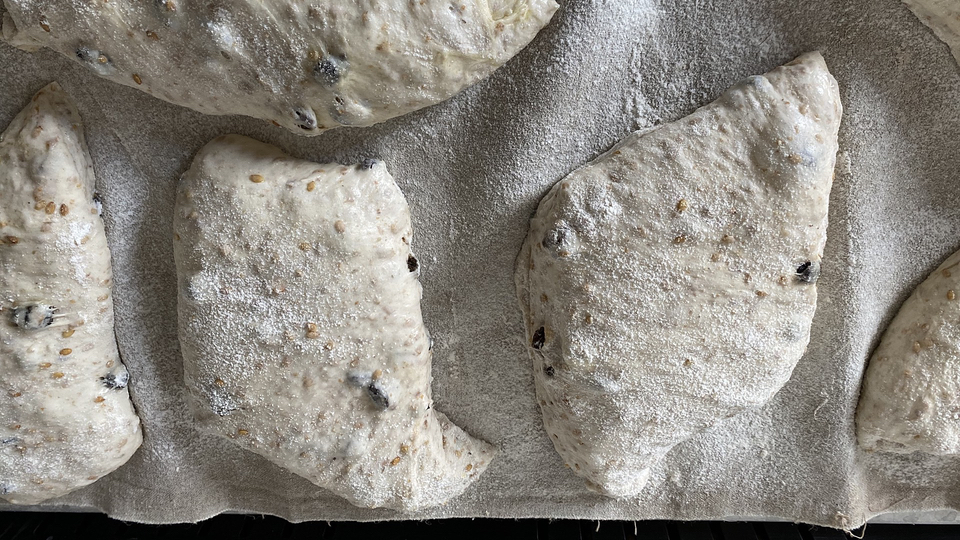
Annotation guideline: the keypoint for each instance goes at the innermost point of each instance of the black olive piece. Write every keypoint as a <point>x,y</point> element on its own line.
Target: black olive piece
<point>549,371</point>
<point>92,56</point>
<point>329,70</point>
<point>555,238</point>
<point>378,396</point>
<point>412,263</point>
<point>539,337</point>
<point>221,410</point>
<point>367,163</point>
<point>305,118</point>
<point>10,440</point>
<point>33,316</point>
<point>808,272</point>
<point>115,381</point>
<point>559,241</point>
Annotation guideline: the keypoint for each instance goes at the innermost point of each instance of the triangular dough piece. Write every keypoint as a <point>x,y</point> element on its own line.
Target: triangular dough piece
<point>910,401</point>
<point>670,283</point>
<point>300,325</point>
<point>943,17</point>
<point>65,413</point>
<point>306,66</point>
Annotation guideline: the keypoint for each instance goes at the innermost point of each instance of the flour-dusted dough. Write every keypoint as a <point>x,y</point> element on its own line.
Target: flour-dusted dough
<point>65,414</point>
<point>670,283</point>
<point>910,401</point>
<point>943,17</point>
<point>308,66</point>
<point>301,330</point>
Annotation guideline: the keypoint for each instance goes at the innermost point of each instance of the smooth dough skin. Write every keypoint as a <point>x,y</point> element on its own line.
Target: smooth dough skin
<point>300,325</point>
<point>910,400</point>
<point>943,17</point>
<point>307,66</point>
<point>670,283</point>
<point>65,414</point>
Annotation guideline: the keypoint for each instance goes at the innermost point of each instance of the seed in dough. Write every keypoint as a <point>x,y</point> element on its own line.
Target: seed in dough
<point>306,66</point>
<point>671,283</point>
<point>910,400</point>
<point>300,326</point>
<point>60,428</point>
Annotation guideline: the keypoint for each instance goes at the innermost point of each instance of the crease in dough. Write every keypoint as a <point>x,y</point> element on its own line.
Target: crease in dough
<point>65,413</point>
<point>910,400</point>
<point>300,325</point>
<point>308,67</point>
<point>670,284</point>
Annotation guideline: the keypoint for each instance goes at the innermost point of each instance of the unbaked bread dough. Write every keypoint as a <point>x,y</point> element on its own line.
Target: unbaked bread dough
<point>308,66</point>
<point>671,283</point>
<point>910,401</point>
<point>300,325</point>
<point>65,413</point>
<point>943,17</point>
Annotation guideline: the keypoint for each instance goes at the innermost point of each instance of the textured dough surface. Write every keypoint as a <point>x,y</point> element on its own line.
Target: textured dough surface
<point>306,66</point>
<point>943,17</point>
<point>670,283</point>
<point>65,414</point>
<point>910,400</point>
<point>300,325</point>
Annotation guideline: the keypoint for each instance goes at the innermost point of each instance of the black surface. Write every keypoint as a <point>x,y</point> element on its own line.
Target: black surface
<point>59,526</point>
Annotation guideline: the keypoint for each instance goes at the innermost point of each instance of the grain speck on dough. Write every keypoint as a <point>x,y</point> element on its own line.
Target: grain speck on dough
<point>137,79</point>
<point>340,226</point>
<point>65,352</point>
<point>951,295</point>
<point>682,205</point>
<point>256,178</point>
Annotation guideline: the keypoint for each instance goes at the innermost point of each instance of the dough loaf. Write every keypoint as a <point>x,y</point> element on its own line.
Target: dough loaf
<point>671,283</point>
<point>300,325</point>
<point>910,401</point>
<point>65,413</point>
<point>307,66</point>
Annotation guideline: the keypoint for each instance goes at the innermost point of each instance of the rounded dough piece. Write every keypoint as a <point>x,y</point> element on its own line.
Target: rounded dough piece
<point>65,413</point>
<point>300,325</point>
<point>910,401</point>
<point>670,283</point>
<point>307,67</point>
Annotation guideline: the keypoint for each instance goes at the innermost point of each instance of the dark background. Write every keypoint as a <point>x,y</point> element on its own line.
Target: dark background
<point>54,526</point>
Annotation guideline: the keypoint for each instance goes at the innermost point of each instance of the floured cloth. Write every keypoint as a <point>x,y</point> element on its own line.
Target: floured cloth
<point>473,170</point>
